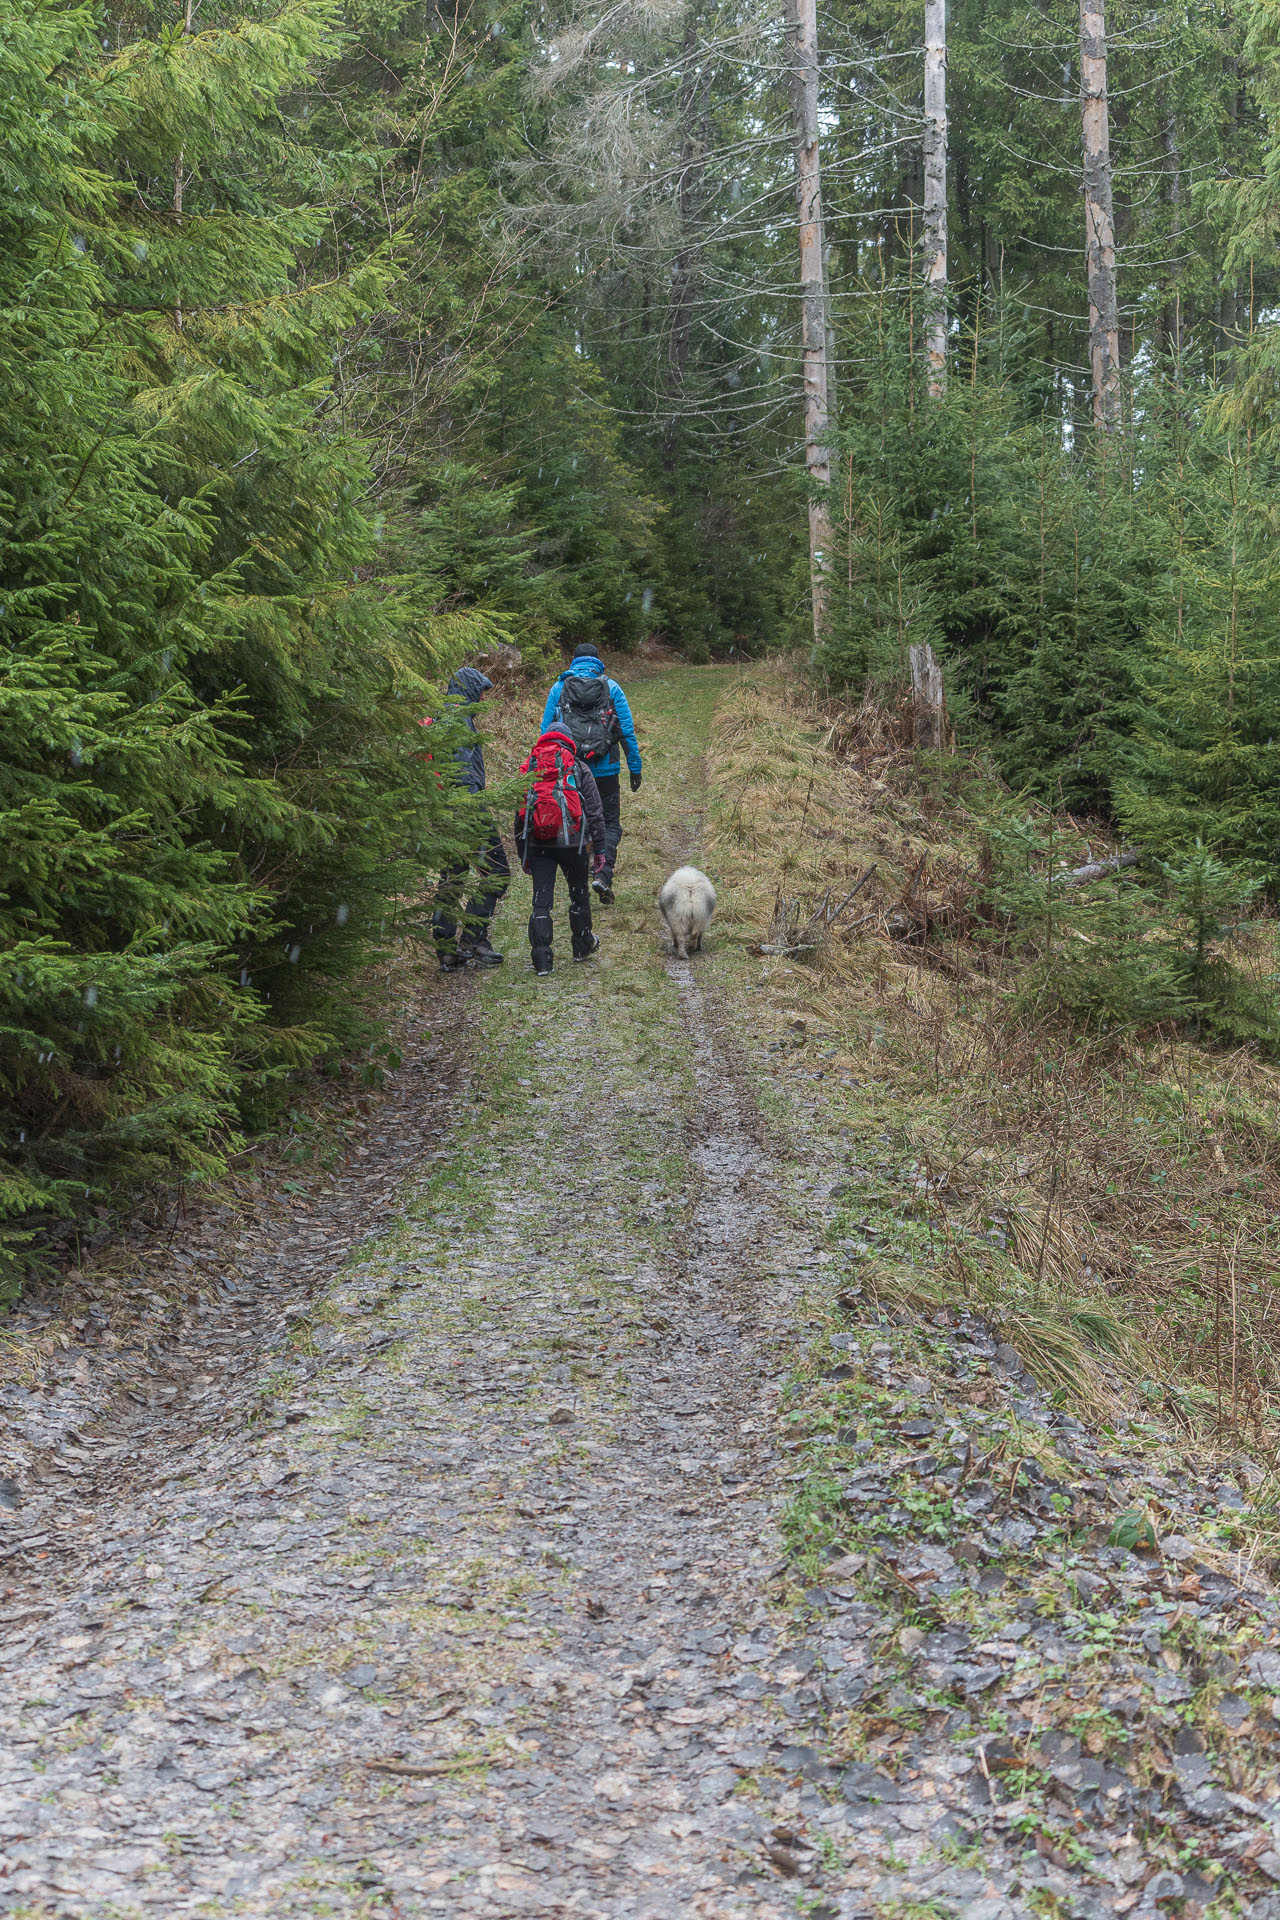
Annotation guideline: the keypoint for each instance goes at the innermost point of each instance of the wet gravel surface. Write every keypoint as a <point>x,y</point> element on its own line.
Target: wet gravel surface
<point>467,1615</point>
<point>439,1549</point>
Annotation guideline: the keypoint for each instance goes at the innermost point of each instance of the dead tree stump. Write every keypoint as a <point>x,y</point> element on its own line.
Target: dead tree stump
<point>928,699</point>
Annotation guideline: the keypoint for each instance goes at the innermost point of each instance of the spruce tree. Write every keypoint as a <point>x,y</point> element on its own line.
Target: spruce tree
<point>211,786</point>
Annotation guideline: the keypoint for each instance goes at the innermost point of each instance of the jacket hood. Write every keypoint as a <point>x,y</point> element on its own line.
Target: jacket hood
<point>469,684</point>
<point>584,666</point>
<point>557,733</point>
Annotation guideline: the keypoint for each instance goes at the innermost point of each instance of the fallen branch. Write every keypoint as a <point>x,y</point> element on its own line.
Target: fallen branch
<point>1095,869</point>
<point>806,938</point>
<point>410,1771</point>
<point>853,893</point>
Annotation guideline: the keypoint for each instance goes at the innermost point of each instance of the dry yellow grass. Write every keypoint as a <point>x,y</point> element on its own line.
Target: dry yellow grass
<point>1127,1188</point>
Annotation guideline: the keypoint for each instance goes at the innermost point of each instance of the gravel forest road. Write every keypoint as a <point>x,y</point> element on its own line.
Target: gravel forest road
<point>425,1607</point>
<point>428,1569</point>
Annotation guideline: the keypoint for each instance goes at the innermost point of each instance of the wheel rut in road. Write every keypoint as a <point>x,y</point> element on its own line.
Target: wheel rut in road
<point>123,1396</point>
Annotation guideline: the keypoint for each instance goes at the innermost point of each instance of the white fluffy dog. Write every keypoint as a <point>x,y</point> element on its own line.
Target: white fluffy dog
<point>686,903</point>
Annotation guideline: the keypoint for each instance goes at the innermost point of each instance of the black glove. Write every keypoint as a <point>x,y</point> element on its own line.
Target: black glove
<point>635,783</point>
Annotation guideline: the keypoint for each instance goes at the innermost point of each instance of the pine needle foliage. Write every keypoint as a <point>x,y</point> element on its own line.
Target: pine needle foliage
<point>210,789</point>
<point>1203,766</point>
<point>1109,608</point>
<point>973,523</point>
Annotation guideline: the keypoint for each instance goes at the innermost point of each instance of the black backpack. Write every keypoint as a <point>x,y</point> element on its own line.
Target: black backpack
<point>586,712</point>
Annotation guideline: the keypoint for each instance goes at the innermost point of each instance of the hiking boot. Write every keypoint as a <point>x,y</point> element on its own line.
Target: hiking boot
<point>483,954</point>
<point>594,938</point>
<point>603,889</point>
<point>542,972</point>
<point>452,962</point>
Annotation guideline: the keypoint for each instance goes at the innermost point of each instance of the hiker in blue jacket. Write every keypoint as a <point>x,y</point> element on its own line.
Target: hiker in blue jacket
<point>594,710</point>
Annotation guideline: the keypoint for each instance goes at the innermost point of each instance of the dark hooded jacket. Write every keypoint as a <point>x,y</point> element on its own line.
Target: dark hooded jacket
<point>469,684</point>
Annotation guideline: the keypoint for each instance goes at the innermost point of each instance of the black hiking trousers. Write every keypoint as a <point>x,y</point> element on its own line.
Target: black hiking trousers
<point>544,864</point>
<point>494,872</point>
<point>610,786</point>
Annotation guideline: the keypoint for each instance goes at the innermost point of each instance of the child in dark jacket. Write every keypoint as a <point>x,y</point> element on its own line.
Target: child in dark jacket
<point>461,936</point>
<point>562,811</point>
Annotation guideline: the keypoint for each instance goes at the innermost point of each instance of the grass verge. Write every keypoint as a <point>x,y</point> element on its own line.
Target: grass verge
<point>1105,1193</point>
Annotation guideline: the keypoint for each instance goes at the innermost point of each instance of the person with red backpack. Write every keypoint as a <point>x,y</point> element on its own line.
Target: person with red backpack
<point>561,812</point>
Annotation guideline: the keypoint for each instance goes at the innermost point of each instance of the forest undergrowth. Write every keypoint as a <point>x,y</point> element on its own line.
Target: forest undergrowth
<point>1034,1135</point>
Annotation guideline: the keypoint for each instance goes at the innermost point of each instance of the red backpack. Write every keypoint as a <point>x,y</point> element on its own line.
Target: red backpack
<point>429,721</point>
<point>552,811</point>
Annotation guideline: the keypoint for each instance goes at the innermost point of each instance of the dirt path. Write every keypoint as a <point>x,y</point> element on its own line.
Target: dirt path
<point>449,1592</point>
<point>442,1626</point>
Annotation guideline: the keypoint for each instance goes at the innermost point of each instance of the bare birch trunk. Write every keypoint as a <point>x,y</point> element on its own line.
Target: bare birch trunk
<point>1099,220</point>
<point>935,192</point>
<point>802,36</point>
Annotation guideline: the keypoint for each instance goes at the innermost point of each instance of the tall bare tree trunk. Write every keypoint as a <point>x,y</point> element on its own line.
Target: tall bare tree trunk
<point>1099,221</point>
<point>802,37</point>
<point>935,191</point>
<point>695,88</point>
<point>1171,322</point>
<point>179,165</point>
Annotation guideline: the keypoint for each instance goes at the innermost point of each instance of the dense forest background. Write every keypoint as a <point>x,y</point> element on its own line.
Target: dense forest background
<point>337,342</point>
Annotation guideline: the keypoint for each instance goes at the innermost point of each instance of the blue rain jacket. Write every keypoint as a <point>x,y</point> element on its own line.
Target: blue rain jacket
<point>591,669</point>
